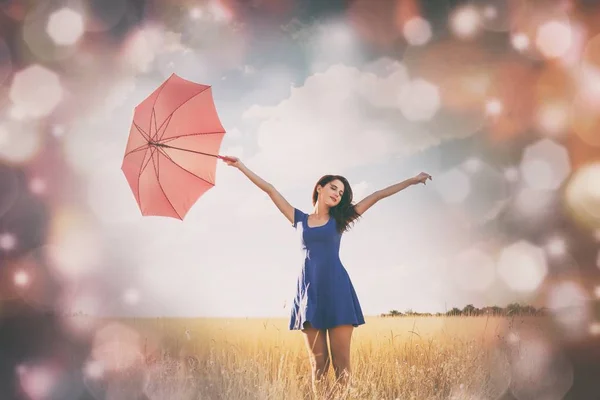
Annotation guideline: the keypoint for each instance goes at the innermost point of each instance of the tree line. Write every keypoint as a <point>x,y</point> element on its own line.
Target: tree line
<point>469,310</point>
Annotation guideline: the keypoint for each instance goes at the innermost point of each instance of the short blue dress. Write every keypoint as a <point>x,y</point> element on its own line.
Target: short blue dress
<point>325,297</point>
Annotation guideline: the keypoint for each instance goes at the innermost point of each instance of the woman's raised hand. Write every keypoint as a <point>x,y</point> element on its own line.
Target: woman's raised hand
<point>422,178</point>
<point>232,161</point>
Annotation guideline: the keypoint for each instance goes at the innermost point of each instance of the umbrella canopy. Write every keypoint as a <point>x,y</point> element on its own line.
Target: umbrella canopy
<point>171,155</point>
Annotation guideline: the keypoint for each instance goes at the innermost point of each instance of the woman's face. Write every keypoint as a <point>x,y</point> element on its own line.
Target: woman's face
<point>331,193</point>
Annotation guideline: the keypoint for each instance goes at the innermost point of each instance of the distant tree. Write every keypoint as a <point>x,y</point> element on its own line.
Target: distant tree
<point>497,310</point>
<point>513,309</point>
<point>454,311</point>
<point>469,309</point>
<point>528,310</point>
<point>395,313</point>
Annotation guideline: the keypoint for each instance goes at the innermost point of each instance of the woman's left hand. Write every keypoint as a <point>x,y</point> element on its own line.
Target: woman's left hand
<point>422,178</point>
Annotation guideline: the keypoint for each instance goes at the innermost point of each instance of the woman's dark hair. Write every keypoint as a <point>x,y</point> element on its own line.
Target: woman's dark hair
<point>344,212</point>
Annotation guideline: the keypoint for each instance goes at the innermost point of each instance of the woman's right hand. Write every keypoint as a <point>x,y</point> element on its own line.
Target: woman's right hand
<point>232,161</point>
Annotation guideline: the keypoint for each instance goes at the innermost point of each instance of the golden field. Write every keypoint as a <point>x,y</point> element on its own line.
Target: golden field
<point>418,358</point>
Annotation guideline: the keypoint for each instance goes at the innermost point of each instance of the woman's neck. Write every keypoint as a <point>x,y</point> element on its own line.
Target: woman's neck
<point>321,211</point>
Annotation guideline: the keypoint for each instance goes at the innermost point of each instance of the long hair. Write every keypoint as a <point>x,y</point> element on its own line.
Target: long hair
<point>344,212</point>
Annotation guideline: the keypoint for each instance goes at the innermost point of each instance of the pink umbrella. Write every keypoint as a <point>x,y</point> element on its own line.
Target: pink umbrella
<point>171,156</point>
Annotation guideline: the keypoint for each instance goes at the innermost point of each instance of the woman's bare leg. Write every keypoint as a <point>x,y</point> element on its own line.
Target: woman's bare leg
<point>316,344</point>
<point>340,338</point>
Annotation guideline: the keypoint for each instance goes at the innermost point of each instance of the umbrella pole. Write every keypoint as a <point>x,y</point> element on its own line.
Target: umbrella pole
<point>188,150</point>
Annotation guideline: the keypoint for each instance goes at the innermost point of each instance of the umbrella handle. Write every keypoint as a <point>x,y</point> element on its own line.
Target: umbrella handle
<point>225,158</point>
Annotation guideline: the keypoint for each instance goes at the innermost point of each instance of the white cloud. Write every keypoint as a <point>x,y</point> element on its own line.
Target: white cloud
<point>339,119</point>
<point>359,190</point>
<point>234,151</point>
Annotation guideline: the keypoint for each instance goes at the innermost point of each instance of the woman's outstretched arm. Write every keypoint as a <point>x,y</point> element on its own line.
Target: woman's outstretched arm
<point>374,197</point>
<point>281,203</point>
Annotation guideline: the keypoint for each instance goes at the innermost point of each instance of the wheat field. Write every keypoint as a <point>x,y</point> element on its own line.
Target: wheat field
<point>406,358</point>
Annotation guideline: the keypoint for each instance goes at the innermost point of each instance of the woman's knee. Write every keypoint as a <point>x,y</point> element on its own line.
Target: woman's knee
<point>341,363</point>
<point>321,363</point>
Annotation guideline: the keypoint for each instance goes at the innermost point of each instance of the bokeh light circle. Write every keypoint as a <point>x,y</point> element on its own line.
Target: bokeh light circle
<point>582,195</point>
<point>36,91</point>
<point>522,266</point>
<point>35,32</point>
<point>497,15</point>
<point>19,141</point>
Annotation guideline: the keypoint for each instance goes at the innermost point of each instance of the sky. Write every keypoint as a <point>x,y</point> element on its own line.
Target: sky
<point>310,103</point>
<point>303,90</point>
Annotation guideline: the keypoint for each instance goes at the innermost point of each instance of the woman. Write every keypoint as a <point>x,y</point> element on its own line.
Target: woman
<point>325,302</point>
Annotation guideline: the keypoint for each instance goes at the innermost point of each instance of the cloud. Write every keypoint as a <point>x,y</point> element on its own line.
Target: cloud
<point>339,119</point>
<point>359,190</point>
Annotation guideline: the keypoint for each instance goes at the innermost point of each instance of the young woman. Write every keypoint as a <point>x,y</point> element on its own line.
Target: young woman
<point>325,302</point>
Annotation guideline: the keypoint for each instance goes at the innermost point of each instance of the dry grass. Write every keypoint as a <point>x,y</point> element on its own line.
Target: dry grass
<point>392,358</point>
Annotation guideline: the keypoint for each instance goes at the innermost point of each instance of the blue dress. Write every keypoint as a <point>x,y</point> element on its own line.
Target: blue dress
<point>325,297</point>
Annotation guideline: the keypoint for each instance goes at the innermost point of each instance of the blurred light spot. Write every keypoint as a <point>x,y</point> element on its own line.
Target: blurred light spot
<point>538,370</point>
<point>141,48</point>
<point>454,186</point>
<point>490,12</point>
<point>21,278</point>
<point>595,329</point>
<point>116,347</point>
<point>583,195</point>
<point>522,266</point>
<point>513,338</point>
<point>556,246</point>
<point>511,174</point>
<point>417,31</point>
<point>554,39</point>
<point>493,107</point>
<point>568,303</point>
<point>520,41</point>
<point>196,13</point>
<point>20,142</point>
<point>58,131</point>
<point>472,165</point>
<point>17,113</point>
<point>585,119</point>
<point>474,270</point>
<point>93,369</point>
<point>533,202</point>
<point>37,382</point>
<point>553,118</point>
<point>74,246</point>
<point>597,288</point>
<point>37,186</point>
<point>7,241</point>
<point>419,100</point>
<point>590,71</point>
<point>537,173</point>
<point>465,22</point>
<point>219,12</point>
<point>131,296</point>
<point>36,90</point>
<point>65,27</point>
<point>545,165</point>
